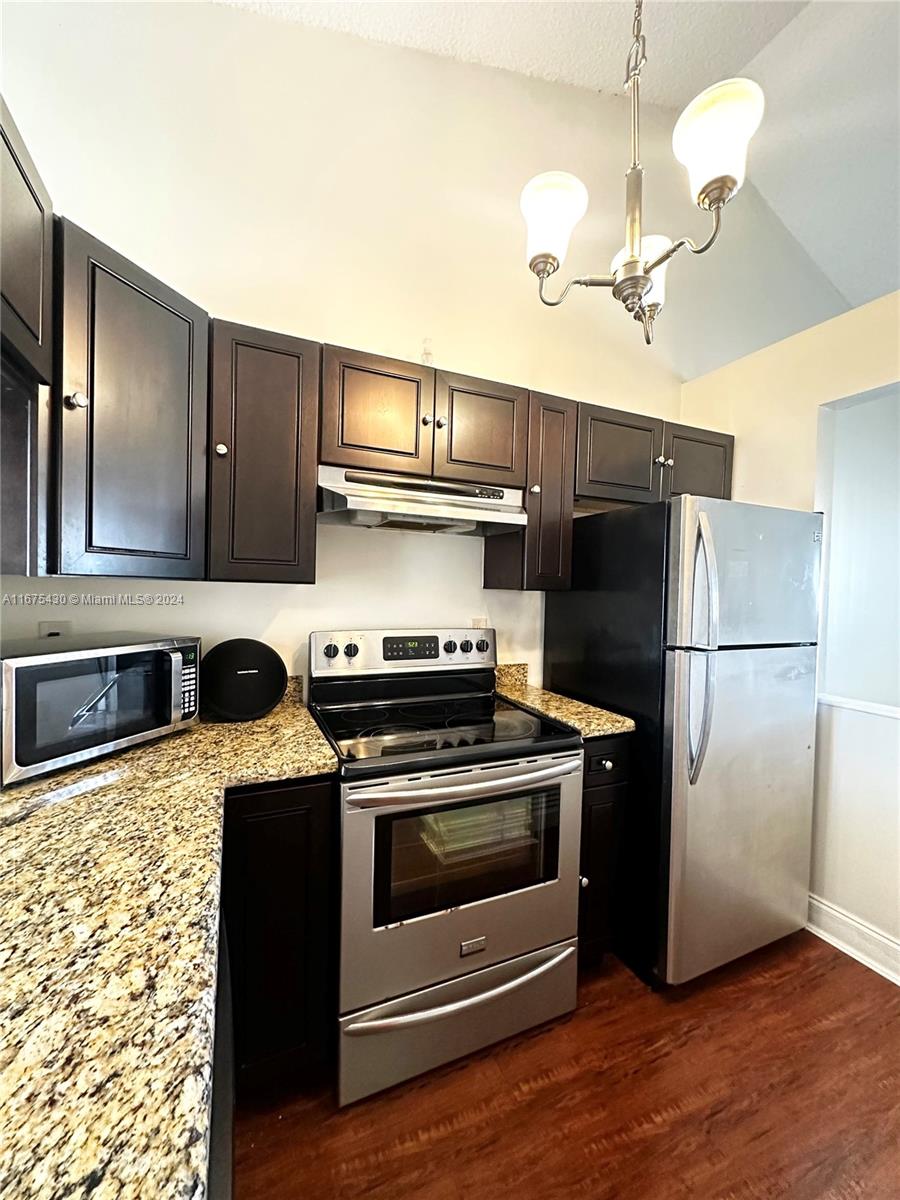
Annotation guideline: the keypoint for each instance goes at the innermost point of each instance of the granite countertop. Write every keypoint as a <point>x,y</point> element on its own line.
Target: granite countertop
<point>591,722</point>
<point>109,910</point>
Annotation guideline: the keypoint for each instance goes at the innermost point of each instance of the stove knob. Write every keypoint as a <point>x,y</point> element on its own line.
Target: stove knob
<point>450,647</point>
<point>482,645</point>
<point>465,646</point>
<point>351,649</point>
<point>330,650</point>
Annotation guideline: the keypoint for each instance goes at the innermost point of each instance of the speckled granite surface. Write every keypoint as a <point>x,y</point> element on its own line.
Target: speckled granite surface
<point>109,901</point>
<point>512,682</point>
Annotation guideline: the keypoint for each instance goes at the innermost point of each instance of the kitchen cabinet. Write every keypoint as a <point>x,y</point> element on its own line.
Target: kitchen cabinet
<point>26,257</point>
<point>25,419</point>
<point>132,413</point>
<point>480,431</point>
<point>618,455</point>
<point>627,458</point>
<point>281,904</point>
<point>377,413</point>
<point>606,771</point>
<point>539,557</point>
<point>697,462</point>
<point>264,421</point>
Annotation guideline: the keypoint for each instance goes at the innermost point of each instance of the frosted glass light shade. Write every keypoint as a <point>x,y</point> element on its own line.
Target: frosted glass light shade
<point>552,205</point>
<point>652,246</point>
<point>712,134</point>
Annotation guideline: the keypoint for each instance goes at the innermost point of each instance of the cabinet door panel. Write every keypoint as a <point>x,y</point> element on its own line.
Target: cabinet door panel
<point>481,431</point>
<point>376,412</point>
<point>26,252</point>
<point>701,461</point>
<point>264,397</point>
<point>132,480</point>
<point>617,453</point>
<point>601,817</point>
<point>551,467</point>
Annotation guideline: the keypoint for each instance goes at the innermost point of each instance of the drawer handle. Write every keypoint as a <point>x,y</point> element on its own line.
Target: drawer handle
<point>607,764</point>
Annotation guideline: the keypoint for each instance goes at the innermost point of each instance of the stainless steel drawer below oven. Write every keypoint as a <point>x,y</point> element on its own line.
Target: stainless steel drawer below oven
<point>390,1042</point>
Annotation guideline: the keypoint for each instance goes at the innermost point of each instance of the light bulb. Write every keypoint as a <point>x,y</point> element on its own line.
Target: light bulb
<point>552,205</point>
<point>652,246</point>
<point>712,135</point>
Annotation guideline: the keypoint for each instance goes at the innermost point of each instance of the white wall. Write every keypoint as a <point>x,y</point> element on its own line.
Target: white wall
<point>366,578</point>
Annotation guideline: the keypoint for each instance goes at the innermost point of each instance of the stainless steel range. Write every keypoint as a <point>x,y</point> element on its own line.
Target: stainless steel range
<point>461,819</point>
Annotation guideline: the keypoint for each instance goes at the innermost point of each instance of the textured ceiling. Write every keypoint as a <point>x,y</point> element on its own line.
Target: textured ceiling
<point>582,42</point>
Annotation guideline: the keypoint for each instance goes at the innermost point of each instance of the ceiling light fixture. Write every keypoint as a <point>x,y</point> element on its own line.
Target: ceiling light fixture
<point>710,139</point>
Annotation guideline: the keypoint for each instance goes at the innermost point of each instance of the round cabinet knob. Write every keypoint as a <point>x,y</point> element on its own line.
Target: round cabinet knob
<point>482,645</point>
<point>221,449</point>
<point>427,419</point>
<point>330,650</point>
<point>351,649</point>
<point>535,489</point>
<point>440,422</point>
<point>584,881</point>
<point>607,764</point>
<point>76,400</point>
<point>466,646</point>
<point>670,462</point>
<point>450,647</point>
<point>661,460</point>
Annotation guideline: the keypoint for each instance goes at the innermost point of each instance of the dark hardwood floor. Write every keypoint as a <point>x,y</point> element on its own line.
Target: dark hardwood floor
<point>778,1076</point>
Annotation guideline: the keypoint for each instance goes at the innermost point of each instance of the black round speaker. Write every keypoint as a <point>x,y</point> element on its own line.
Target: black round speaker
<point>241,680</point>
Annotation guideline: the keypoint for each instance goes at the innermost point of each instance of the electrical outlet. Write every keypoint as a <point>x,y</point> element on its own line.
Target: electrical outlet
<point>54,628</point>
<point>479,623</point>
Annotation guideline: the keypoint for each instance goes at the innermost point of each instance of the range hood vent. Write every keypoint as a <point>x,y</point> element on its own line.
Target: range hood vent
<point>376,500</point>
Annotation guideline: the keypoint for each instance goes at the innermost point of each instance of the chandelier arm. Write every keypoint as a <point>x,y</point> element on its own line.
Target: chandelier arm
<point>578,281</point>
<point>689,244</point>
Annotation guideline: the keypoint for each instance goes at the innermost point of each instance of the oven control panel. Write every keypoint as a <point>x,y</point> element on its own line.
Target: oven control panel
<point>376,651</point>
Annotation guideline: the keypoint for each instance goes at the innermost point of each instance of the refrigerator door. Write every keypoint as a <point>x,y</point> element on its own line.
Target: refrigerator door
<point>739,738</point>
<point>741,574</point>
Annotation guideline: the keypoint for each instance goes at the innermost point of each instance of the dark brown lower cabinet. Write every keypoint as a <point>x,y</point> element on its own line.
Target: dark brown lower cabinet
<point>280,899</point>
<point>539,557</point>
<point>602,812</point>
<point>698,462</point>
<point>264,429</point>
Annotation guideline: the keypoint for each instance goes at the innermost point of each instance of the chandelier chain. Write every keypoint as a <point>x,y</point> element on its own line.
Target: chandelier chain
<point>637,55</point>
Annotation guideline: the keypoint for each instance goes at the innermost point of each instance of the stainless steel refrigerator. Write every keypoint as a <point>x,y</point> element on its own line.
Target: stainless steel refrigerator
<point>698,618</point>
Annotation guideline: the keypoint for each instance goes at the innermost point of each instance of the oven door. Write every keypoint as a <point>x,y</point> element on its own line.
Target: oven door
<point>60,709</point>
<point>450,871</point>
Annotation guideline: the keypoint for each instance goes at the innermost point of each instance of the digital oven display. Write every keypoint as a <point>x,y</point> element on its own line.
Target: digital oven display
<point>398,648</point>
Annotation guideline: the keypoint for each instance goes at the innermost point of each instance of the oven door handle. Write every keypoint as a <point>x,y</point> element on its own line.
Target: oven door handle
<point>461,791</point>
<point>405,1020</point>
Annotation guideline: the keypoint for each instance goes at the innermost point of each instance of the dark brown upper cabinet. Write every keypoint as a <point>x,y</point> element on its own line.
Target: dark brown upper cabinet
<point>376,412</point>
<point>539,557</point>
<point>618,455</point>
<point>480,431</point>
<point>264,424</point>
<point>697,462</point>
<point>132,410</point>
<point>26,256</point>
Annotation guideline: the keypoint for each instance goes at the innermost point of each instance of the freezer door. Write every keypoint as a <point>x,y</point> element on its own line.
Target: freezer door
<point>739,736</point>
<point>741,574</point>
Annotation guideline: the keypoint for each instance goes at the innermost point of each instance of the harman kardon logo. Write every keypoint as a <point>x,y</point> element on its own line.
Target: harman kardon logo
<point>248,671</point>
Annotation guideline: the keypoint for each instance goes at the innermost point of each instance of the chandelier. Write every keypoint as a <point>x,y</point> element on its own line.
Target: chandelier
<point>710,139</point>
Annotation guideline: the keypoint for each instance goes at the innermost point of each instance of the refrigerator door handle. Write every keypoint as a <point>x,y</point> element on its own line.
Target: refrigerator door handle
<point>712,580</point>
<point>695,760</point>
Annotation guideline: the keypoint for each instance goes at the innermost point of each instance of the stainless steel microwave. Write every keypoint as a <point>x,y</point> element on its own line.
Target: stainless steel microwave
<point>66,700</point>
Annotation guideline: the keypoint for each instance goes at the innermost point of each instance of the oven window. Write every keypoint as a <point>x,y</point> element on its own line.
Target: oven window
<point>438,858</point>
<point>69,706</point>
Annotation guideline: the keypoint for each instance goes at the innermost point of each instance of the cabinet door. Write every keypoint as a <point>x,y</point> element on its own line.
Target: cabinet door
<point>698,462</point>
<point>26,255</point>
<point>132,487</point>
<point>376,412</point>
<point>601,815</point>
<point>264,419</point>
<point>617,455</point>
<point>279,893</point>
<point>551,470</point>
<point>480,431</point>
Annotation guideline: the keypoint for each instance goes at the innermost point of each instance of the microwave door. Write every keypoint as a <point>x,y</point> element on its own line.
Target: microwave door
<point>90,706</point>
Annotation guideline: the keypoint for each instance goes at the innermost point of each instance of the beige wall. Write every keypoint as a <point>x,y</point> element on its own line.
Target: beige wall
<point>770,400</point>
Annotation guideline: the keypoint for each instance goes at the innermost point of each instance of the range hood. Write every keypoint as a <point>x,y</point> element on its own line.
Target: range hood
<point>377,500</point>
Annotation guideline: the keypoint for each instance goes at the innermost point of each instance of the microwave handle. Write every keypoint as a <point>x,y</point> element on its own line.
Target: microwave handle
<point>441,794</point>
<point>177,661</point>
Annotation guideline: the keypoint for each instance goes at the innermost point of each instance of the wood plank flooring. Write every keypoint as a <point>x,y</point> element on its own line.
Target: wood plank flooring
<point>778,1076</point>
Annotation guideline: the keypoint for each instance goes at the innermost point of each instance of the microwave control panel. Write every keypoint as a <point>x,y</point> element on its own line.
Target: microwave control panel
<point>188,684</point>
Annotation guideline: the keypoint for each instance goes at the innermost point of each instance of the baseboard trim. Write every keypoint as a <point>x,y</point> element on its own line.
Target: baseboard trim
<point>871,946</point>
